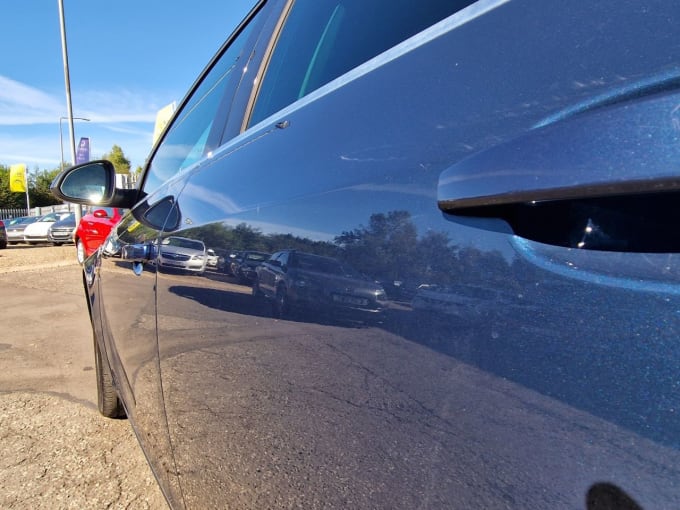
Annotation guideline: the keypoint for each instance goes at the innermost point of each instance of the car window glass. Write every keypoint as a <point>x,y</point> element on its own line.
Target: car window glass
<point>322,40</point>
<point>187,138</point>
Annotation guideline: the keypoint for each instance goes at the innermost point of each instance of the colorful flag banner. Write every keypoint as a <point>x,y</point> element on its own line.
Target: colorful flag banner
<point>17,178</point>
<point>162,118</point>
<point>83,154</point>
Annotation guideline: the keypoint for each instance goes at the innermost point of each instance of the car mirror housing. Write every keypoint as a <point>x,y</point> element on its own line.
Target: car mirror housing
<point>92,183</point>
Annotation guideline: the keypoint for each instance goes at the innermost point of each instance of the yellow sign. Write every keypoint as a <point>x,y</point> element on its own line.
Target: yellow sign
<point>17,178</point>
<point>162,118</point>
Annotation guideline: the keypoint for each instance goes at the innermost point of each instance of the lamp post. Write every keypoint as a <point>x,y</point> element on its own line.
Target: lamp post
<point>61,139</point>
<point>67,85</point>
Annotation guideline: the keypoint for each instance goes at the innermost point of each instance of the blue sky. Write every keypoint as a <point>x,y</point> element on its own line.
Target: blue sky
<point>127,60</point>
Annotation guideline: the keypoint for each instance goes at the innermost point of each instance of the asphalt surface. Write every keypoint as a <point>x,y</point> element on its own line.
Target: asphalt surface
<point>56,451</point>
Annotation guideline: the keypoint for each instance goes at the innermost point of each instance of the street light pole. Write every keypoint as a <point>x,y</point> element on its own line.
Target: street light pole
<point>61,141</point>
<point>67,83</point>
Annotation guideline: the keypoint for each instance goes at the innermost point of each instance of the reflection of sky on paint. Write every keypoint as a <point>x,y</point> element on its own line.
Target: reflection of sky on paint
<point>216,199</point>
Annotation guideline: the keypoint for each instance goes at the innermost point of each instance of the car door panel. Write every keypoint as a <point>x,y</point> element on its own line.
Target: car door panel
<point>127,300</point>
<point>503,372</point>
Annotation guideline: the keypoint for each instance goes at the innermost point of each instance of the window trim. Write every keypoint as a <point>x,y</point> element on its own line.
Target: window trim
<point>264,64</point>
<point>223,112</point>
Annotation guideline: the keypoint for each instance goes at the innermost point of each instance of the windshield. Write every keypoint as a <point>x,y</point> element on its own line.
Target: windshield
<point>324,265</point>
<point>184,243</point>
<point>257,256</point>
<point>50,217</point>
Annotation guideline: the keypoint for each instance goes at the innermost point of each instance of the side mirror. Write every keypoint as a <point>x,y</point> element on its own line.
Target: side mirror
<point>100,213</point>
<point>92,183</point>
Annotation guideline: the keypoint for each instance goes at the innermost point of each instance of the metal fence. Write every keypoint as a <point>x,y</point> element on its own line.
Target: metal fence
<point>8,214</point>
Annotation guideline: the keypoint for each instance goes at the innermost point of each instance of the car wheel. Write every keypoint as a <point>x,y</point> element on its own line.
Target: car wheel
<point>107,396</point>
<point>257,292</point>
<point>3,246</point>
<point>280,305</point>
<point>80,251</point>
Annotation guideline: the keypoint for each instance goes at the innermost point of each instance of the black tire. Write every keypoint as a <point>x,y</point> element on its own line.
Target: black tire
<point>3,246</point>
<point>80,251</point>
<point>280,304</point>
<point>107,397</point>
<point>257,291</point>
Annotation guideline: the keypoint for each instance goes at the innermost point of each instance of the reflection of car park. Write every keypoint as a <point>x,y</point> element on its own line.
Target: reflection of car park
<point>37,231</point>
<point>15,228</point>
<point>229,258</point>
<point>182,253</point>
<point>296,279</point>
<point>465,301</point>
<point>244,264</point>
<point>93,229</point>
<point>61,231</point>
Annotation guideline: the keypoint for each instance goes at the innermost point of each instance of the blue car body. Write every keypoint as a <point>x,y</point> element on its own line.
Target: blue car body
<point>507,171</point>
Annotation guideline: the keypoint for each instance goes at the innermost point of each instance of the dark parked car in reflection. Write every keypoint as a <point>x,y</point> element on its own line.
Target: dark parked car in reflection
<point>464,301</point>
<point>516,160</point>
<point>292,279</point>
<point>243,264</point>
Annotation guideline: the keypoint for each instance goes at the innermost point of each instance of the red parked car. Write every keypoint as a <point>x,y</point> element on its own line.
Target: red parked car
<point>93,229</point>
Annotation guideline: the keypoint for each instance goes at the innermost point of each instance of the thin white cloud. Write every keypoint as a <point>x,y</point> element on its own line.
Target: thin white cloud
<point>35,151</point>
<point>215,198</point>
<point>22,104</point>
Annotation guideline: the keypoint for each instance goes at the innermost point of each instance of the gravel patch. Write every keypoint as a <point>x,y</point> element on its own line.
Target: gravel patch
<point>59,454</point>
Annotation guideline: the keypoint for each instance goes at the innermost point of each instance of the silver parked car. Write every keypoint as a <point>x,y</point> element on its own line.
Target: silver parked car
<point>182,253</point>
<point>36,232</point>
<point>61,232</point>
<point>508,169</point>
<point>15,228</point>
